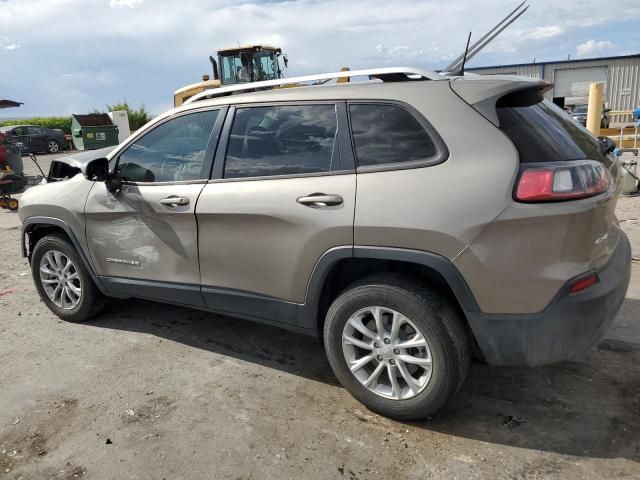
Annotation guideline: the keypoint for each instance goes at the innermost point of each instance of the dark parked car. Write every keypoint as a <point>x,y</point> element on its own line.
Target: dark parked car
<point>35,139</point>
<point>579,114</point>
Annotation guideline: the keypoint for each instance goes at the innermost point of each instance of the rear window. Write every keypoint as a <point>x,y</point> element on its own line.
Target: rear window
<point>542,132</point>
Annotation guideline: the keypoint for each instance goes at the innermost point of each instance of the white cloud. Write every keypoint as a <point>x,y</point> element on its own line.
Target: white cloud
<point>399,52</point>
<point>125,3</point>
<point>591,47</point>
<point>6,44</point>
<point>143,51</point>
<point>544,33</point>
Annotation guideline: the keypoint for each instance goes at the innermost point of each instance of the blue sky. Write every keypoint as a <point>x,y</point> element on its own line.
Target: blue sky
<point>70,56</point>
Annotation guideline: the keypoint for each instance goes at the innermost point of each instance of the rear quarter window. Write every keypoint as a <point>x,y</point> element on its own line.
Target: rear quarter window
<point>389,135</point>
<point>542,132</point>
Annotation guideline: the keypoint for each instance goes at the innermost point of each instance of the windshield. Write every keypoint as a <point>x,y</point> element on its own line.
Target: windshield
<point>235,69</point>
<point>249,66</point>
<point>265,66</point>
<point>580,109</point>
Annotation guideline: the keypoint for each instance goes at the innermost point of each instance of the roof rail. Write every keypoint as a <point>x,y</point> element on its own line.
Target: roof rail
<point>387,74</point>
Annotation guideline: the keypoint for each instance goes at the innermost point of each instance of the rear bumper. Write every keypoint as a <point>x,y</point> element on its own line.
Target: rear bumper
<point>569,325</point>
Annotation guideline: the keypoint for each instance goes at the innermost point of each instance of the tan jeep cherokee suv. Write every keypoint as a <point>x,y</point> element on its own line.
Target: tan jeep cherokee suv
<point>410,220</point>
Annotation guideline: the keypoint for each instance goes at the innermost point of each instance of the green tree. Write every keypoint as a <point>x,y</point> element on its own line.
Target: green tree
<point>137,116</point>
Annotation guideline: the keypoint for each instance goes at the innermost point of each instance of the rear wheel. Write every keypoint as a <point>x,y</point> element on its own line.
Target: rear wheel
<point>63,282</point>
<point>12,204</point>
<point>53,146</point>
<point>397,347</point>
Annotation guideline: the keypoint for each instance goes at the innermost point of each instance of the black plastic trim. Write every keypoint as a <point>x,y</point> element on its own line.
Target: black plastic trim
<point>250,305</point>
<point>347,157</point>
<point>221,152</point>
<point>307,312</point>
<point>177,293</point>
<point>233,303</point>
<point>32,222</point>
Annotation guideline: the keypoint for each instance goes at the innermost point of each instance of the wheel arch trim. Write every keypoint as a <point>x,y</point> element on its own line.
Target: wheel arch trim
<point>30,223</point>
<point>308,311</point>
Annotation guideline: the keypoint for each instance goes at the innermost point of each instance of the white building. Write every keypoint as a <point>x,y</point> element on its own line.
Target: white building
<point>571,79</point>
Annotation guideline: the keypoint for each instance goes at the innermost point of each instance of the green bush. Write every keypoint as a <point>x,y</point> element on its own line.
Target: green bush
<point>137,116</point>
<point>63,123</point>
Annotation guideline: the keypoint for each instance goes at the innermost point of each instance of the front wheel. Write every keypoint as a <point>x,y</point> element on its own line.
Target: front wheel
<point>397,347</point>
<point>62,280</point>
<point>53,146</point>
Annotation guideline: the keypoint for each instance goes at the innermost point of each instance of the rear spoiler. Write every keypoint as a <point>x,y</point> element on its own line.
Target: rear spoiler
<point>482,92</point>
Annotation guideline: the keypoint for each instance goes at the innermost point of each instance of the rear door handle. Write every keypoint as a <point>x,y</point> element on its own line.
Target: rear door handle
<point>174,201</point>
<point>320,200</point>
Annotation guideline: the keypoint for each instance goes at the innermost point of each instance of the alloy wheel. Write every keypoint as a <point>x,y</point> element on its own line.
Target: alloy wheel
<point>53,146</point>
<point>60,279</point>
<point>387,353</point>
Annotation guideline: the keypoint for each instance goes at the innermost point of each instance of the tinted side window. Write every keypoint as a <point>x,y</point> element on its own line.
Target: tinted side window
<point>36,131</point>
<point>281,141</point>
<point>385,134</point>
<point>542,132</point>
<point>173,151</point>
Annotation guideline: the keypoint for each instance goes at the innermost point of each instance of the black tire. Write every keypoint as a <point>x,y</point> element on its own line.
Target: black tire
<point>91,299</point>
<point>53,146</point>
<point>432,314</point>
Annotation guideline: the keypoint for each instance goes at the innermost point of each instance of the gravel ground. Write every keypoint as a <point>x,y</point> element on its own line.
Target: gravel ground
<point>155,391</point>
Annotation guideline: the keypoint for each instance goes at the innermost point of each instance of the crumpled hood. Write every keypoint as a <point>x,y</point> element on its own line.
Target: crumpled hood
<point>81,159</point>
<point>70,165</point>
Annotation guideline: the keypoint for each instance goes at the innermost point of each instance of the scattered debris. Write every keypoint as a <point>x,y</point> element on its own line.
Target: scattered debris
<point>511,421</point>
<point>108,442</point>
<point>16,421</point>
<point>129,411</point>
<point>7,292</point>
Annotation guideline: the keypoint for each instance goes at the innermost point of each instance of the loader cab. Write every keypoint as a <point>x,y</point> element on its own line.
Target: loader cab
<point>254,63</point>
<point>249,63</point>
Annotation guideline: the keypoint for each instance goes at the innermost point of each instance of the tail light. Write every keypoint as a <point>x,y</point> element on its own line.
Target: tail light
<point>557,181</point>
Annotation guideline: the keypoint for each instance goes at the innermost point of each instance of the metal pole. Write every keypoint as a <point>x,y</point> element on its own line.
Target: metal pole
<point>594,108</point>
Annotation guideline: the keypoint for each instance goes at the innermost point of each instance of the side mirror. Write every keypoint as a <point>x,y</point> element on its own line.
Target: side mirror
<point>285,58</point>
<point>97,170</point>
<point>607,110</point>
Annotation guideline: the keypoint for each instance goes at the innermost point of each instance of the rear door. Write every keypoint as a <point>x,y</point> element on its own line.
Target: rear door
<point>283,194</point>
<point>37,139</point>
<point>144,238</point>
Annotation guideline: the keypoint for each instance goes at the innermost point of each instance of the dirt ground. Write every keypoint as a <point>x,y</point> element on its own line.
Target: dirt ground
<point>150,391</point>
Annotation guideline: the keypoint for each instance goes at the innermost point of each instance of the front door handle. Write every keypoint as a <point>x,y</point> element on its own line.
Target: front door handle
<point>320,200</point>
<point>174,201</point>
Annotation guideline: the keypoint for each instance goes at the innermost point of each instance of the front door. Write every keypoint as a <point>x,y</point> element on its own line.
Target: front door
<point>283,196</point>
<point>20,135</point>
<point>145,237</point>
